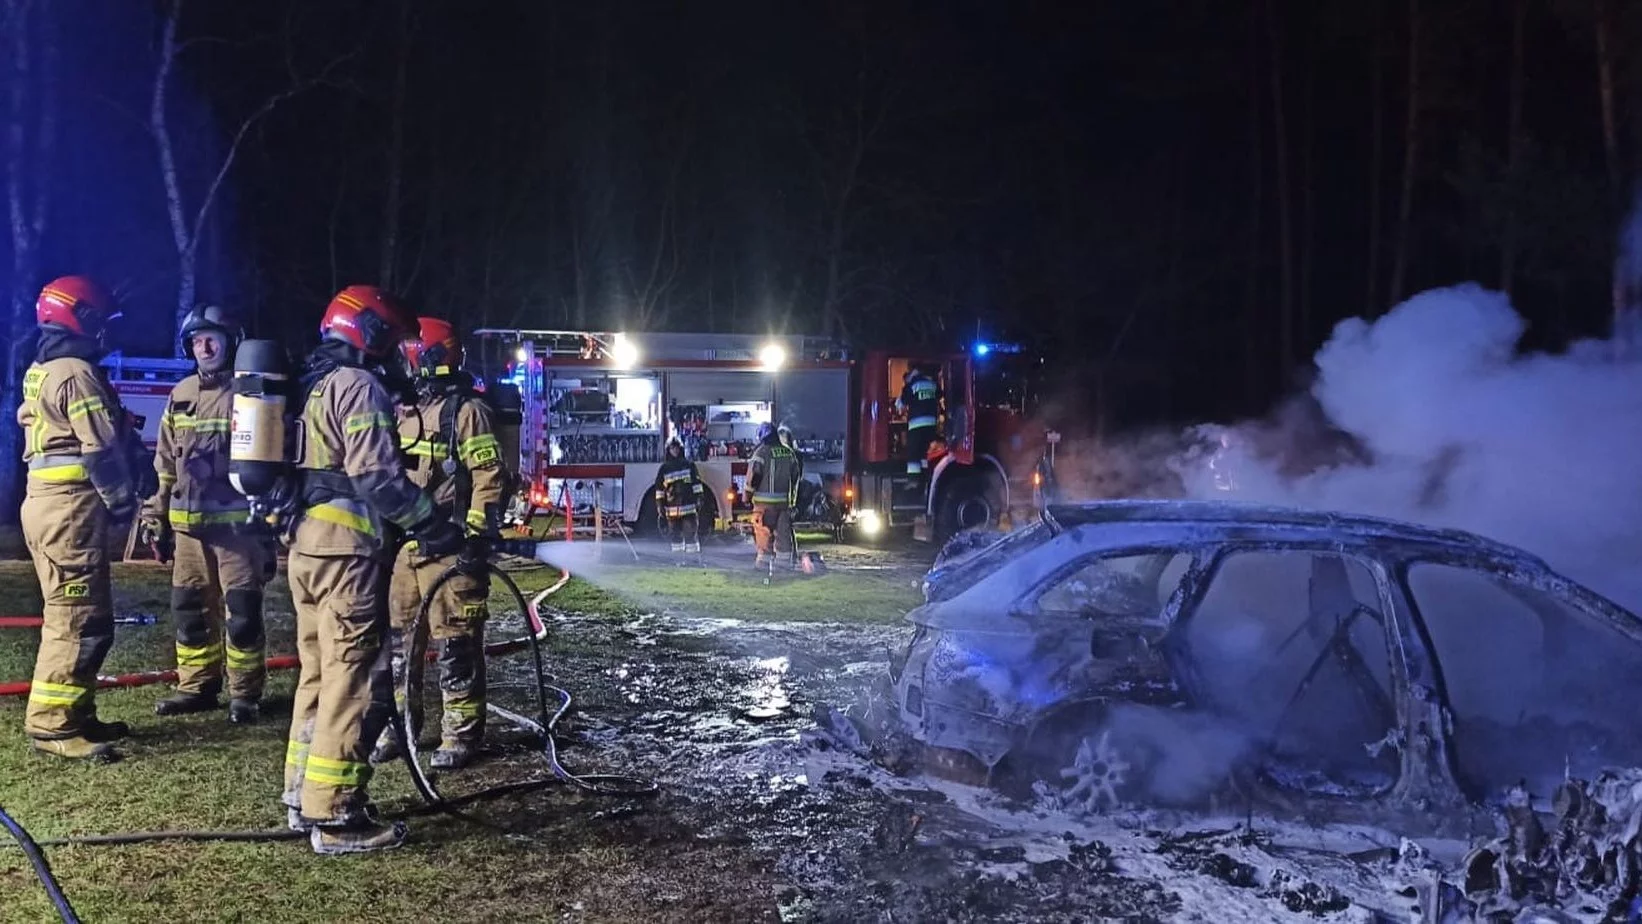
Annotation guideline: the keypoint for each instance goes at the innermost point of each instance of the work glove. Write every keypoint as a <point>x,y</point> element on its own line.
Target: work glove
<point>438,537</point>
<point>122,509</point>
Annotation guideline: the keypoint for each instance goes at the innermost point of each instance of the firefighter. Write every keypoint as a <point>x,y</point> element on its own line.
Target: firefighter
<point>921,401</point>
<point>679,491</point>
<point>353,490</point>
<point>450,440</point>
<point>217,570</point>
<point>79,493</point>
<point>772,480</point>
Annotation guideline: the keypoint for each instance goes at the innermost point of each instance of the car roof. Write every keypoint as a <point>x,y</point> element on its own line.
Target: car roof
<point>1220,521</point>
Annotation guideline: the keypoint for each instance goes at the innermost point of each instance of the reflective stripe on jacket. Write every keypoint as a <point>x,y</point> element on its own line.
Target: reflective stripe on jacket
<point>772,474</point>
<point>74,431</point>
<point>476,451</point>
<point>349,437</point>
<point>191,458</point>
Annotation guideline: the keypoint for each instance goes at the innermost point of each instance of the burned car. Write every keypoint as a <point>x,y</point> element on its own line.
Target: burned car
<point>1182,653</point>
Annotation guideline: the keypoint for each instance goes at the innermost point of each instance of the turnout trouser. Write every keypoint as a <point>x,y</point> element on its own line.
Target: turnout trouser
<point>456,624</point>
<point>684,528</point>
<point>919,440</point>
<point>66,530</point>
<point>216,597</point>
<point>772,527</point>
<point>344,694</point>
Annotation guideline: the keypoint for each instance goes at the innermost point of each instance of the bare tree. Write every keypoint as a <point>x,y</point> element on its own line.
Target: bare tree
<point>188,219</point>
<point>31,139</point>
<point>386,276</point>
<point>1411,156</point>
<point>1513,148</point>
<point>1376,156</point>
<point>1285,233</point>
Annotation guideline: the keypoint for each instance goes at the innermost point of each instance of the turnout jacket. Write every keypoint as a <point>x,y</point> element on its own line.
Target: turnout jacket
<point>191,459</point>
<point>772,474</point>
<point>921,399</point>
<point>74,431</point>
<point>478,482</point>
<point>678,488</point>
<point>353,481</point>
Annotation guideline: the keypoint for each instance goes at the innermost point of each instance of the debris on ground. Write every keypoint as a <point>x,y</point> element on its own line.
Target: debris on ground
<point>1584,859</point>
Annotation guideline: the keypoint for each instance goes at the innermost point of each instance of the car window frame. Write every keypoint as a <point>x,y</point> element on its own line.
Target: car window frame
<point>1396,626</point>
<point>1026,606</point>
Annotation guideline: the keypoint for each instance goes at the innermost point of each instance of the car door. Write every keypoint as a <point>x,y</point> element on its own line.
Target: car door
<point>1541,679</point>
<point>1288,648</point>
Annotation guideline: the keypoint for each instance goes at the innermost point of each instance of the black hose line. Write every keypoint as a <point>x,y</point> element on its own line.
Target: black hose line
<point>543,726</point>
<point>42,869</point>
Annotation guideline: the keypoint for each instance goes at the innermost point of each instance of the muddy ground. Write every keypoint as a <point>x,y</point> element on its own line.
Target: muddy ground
<point>718,709</point>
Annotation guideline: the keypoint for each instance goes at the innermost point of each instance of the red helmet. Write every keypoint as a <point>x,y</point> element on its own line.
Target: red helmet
<point>368,318</point>
<point>75,303</point>
<point>435,350</point>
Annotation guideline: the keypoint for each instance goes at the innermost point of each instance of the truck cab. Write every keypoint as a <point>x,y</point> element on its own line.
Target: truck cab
<point>987,464</point>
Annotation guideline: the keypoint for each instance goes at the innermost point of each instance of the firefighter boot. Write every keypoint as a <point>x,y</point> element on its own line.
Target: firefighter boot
<point>95,729</point>
<point>453,755</point>
<point>361,837</point>
<point>693,546</point>
<point>180,703</point>
<point>462,686</point>
<point>78,747</point>
<point>244,711</point>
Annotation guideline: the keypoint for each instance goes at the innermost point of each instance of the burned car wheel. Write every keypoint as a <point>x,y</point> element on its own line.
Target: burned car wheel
<point>1081,760</point>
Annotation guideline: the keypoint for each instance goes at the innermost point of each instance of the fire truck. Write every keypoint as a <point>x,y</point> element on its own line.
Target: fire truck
<point>594,411</point>
<point>144,385</point>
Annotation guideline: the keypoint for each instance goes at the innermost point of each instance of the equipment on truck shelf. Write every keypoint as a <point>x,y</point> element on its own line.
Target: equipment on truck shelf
<point>596,409</point>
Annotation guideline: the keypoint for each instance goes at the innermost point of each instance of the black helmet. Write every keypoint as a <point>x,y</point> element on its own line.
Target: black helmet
<point>673,443</point>
<point>209,317</point>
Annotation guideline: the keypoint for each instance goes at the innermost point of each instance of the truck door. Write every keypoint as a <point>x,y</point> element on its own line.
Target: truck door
<point>958,380</point>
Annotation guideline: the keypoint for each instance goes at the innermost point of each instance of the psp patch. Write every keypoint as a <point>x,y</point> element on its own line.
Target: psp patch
<point>474,611</point>
<point>78,590</point>
<point>484,455</point>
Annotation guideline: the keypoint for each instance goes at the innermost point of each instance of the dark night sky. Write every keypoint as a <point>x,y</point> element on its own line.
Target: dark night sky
<point>1101,180</point>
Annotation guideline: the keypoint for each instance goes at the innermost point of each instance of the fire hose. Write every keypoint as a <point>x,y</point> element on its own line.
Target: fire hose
<point>545,727</point>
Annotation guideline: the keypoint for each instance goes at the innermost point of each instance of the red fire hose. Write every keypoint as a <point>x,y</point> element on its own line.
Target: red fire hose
<point>278,663</point>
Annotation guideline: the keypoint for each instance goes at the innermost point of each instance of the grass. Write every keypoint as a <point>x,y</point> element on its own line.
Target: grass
<point>198,772</point>
<point>854,585</point>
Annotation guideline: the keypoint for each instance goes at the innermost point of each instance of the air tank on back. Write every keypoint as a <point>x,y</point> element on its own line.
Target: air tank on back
<point>256,449</point>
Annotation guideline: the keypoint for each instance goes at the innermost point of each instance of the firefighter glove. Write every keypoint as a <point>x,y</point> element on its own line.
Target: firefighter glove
<point>475,556</point>
<point>438,537</point>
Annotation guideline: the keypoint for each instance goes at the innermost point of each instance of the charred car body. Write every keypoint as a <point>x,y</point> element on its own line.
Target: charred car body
<point>1189,653</point>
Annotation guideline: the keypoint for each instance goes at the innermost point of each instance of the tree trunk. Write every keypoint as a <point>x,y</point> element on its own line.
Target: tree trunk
<point>1285,232</point>
<point>28,193</point>
<point>396,157</point>
<point>1513,149</point>
<point>1308,198</point>
<point>1253,315</point>
<point>168,167</point>
<point>1411,157</point>
<point>1376,158</point>
<point>1610,147</point>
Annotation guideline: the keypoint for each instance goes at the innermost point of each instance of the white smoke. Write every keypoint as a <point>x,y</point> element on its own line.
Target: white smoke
<point>1543,451</point>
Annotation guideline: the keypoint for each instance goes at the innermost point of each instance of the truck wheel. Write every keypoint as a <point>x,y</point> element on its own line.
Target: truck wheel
<point>649,522</point>
<point>974,501</point>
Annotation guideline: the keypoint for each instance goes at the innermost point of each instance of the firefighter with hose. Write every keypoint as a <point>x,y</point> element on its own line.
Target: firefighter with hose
<point>353,489</point>
<point>449,436</point>
<point>218,568</point>
<point>772,480</point>
<point>79,492</point>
